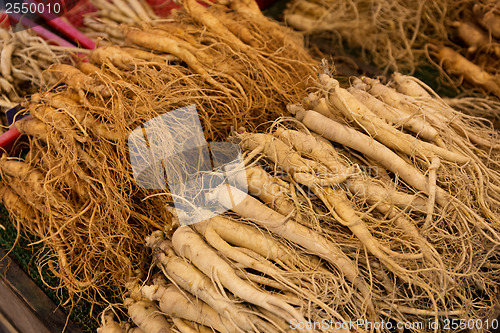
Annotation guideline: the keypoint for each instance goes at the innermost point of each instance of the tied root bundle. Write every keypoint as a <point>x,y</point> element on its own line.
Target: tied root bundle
<point>75,189</point>
<point>369,204</point>
<point>23,58</point>
<point>102,22</point>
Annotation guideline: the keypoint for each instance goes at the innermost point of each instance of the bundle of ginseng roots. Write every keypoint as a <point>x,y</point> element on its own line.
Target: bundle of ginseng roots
<point>75,189</point>
<point>375,204</point>
<point>23,58</point>
<point>102,22</point>
<point>460,37</point>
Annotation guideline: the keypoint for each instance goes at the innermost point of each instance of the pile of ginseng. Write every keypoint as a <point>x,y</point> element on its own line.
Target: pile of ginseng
<point>23,58</point>
<point>75,190</point>
<point>103,24</point>
<point>459,36</point>
<point>375,206</point>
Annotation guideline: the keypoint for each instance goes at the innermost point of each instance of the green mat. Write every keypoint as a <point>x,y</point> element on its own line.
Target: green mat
<point>26,255</point>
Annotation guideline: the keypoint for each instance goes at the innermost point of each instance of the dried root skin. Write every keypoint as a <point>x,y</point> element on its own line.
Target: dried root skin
<point>310,240</point>
<point>168,45</point>
<point>179,304</point>
<point>116,55</point>
<point>146,315</point>
<point>109,325</point>
<point>15,204</point>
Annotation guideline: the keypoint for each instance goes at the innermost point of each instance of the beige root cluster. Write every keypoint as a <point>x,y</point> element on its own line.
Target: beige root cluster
<point>23,58</point>
<point>103,25</point>
<point>460,37</point>
<point>368,205</point>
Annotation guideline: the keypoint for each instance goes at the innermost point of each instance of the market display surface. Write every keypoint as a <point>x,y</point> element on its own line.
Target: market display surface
<point>357,204</point>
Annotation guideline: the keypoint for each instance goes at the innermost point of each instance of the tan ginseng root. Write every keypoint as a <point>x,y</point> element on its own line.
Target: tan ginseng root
<point>273,40</point>
<point>64,159</point>
<point>487,15</point>
<point>475,37</point>
<point>18,208</point>
<point>186,276</point>
<point>128,58</point>
<point>191,246</point>
<point>170,46</point>
<point>203,16</point>
<point>116,55</point>
<point>57,141</point>
<point>104,243</point>
<point>109,325</point>
<point>15,204</point>
<point>67,169</point>
<point>79,81</point>
<point>71,117</point>
<point>30,183</point>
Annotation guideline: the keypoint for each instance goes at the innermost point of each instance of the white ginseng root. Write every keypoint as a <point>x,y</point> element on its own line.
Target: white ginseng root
<point>375,150</point>
<point>249,207</point>
<point>191,246</point>
<point>146,315</point>
<point>355,111</point>
<point>178,304</point>
<point>269,189</point>
<point>394,117</point>
<point>188,277</point>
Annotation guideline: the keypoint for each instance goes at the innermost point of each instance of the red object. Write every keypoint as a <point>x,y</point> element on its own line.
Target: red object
<point>40,31</point>
<point>263,4</point>
<point>75,15</point>
<point>4,20</point>
<point>66,28</point>
<point>8,138</point>
<point>162,8</point>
